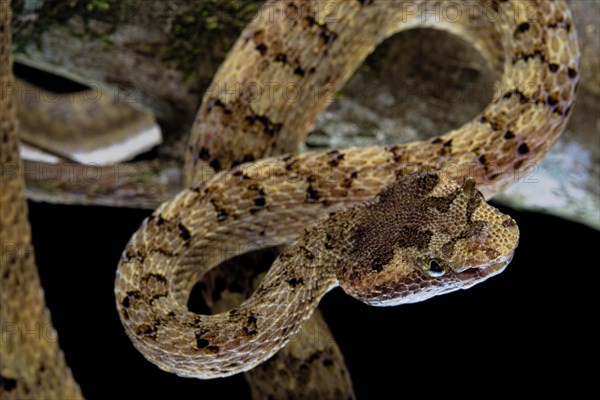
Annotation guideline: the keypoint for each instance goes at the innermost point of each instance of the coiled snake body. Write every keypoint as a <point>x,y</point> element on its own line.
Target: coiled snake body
<point>423,229</point>
<point>269,202</point>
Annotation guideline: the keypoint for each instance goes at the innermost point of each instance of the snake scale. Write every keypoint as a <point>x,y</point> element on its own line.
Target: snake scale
<point>29,368</point>
<point>397,223</point>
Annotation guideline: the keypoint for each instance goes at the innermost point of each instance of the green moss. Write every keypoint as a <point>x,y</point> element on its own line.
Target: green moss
<point>197,31</point>
<point>204,29</point>
<point>30,24</point>
<point>100,5</point>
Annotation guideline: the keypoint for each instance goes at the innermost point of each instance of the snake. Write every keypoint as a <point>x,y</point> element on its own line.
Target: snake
<point>31,366</point>
<point>388,224</point>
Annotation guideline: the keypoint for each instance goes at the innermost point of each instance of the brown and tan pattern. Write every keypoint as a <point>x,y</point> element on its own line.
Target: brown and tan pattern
<point>421,237</point>
<point>299,53</point>
<point>310,366</point>
<point>270,201</point>
<point>31,363</point>
<point>456,239</point>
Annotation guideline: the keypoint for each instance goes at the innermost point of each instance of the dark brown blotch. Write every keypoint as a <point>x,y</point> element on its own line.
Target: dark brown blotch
<point>307,253</point>
<point>522,99</point>
<point>260,199</point>
<point>221,213</point>
<point>240,174</point>
<point>184,232</point>
<point>314,356</point>
<point>261,48</point>
<point>523,148</point>
<point>427,182</point>
<point>328,37</point>
<point>442,204</point>
<point>269,127</point>
<point>310,21</point>
<point>153,277</point>
<point>7,384</point>
<point>528,56</point>
<point>474,201</point>
<point>200,342</point>
<point>523,27</point>
<point>472,229</point>
<point>377,266</point>
<point>397,155</point>
<point>312,195</point>
<point>156,297</point>
<point>509,135</point>
<point>372,249</point>
<point>215,164</point>
<point>413,236</point>
<point>146,330</point>
<point>133,294</point>
<point>336,157</point>
<point>572,73</point>
<point>299,71</point>
<point>281,57</point>
<point>251,328</point>
<point>327,244</point>
<point>349,178</point>
<point>290,162</point>
<point>214,102</point>
<point>294,282</point>
<point>249,332</point>
<point>552,101</point>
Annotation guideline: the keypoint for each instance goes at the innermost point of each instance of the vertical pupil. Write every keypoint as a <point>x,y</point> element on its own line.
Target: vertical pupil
<point>435,267</point>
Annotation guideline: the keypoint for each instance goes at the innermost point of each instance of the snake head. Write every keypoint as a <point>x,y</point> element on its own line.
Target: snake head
<point>421,237</point>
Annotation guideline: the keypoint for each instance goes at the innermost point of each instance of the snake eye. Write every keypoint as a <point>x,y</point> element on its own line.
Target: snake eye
<point>435,268</point>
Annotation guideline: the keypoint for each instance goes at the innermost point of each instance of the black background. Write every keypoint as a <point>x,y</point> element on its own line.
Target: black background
<point>528,329</point>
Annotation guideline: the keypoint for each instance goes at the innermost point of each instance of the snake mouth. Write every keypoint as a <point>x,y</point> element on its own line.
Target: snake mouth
<point>473,275</point>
